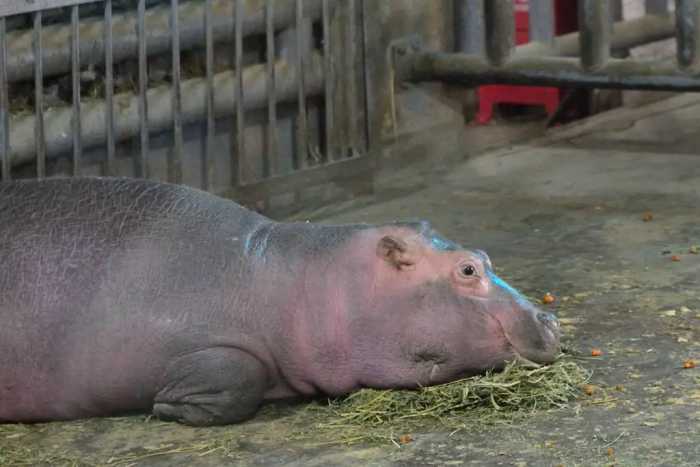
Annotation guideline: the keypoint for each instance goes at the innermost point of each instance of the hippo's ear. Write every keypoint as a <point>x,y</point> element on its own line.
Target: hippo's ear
<point>395,251</point>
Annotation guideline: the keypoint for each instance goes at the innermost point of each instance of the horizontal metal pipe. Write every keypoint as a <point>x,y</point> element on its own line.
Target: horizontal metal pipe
<point>544,71</point>
<point>625,35</point>
<point>192,33</point>
<point>16,7</point>
<point>194,108</point>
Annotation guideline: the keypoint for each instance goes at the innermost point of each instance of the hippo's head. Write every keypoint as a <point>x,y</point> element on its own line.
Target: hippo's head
<point>439,312</point>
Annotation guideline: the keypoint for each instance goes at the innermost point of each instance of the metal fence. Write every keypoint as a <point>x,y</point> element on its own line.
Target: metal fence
<point>276,103</point>
<point>578,60</point>
<point>259,100</point>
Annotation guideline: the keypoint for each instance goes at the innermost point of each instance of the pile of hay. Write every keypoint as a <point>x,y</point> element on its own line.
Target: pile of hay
<point>470,403</point>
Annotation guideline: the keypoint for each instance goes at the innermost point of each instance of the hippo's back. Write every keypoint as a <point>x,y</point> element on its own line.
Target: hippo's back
<point>95,270</point>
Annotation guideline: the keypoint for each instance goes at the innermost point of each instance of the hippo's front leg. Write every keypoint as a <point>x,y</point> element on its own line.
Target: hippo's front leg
<point>214,386</point>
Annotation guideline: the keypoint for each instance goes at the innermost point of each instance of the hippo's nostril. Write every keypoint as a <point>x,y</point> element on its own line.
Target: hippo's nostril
<point>549,320</point>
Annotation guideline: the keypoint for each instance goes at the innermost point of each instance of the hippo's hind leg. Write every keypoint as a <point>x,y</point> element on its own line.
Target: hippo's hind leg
<point>215,386</point>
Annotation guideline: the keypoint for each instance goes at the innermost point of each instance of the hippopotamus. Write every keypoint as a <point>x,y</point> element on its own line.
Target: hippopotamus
<point>121,295</point>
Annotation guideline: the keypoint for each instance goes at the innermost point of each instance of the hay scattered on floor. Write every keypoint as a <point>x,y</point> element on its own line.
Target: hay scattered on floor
<point>367,416</point>
<point>470,403</point>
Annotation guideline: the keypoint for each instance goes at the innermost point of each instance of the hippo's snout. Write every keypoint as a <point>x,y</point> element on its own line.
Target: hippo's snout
<point>550,321</point>
<point>533,333</point>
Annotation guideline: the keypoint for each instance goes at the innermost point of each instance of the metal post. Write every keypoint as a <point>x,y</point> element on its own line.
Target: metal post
<point>469,18</point>
<point>329,82</point>
<point>144,169</point>
<point>75,75</point>
<point>109,89</point>
<point>541,17</point>
<point>595,33</point>
<point>175,163</point>
<point>208,159</point>
<point>4,105</point>
<point>687,36</point>
<point>39,98</point>
<point>272,149</point>
<point>302,127</point>
<point>499,23</point>
<point>239,130</point>
<point>351,84</point>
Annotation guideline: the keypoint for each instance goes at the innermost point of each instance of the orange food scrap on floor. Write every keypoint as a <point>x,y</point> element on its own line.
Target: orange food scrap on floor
<point>548,298</point>
<point>690,363</point>
<point>405,439</point>
<point>647,216</point>
<point>675,258</point>
<point>596,352</point>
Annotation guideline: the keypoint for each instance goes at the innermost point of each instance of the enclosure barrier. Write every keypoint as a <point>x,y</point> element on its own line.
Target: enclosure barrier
<point>292,69</point>
<point>534,64</point>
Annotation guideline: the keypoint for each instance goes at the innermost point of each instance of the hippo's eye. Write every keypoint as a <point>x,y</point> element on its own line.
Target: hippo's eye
<point>468,270</point>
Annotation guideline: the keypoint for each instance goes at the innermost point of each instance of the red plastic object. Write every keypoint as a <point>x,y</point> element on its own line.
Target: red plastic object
<point>547,97</point>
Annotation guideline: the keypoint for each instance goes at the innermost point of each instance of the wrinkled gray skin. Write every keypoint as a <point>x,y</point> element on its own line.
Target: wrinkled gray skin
<point>121,295</point>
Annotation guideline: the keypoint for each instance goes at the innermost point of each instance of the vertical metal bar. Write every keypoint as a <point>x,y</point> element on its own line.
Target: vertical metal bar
<point>109,88</point>
<point>595,32</point>
<point>39,98</point>
<point>499,22</point>
<point>4,106</point>
<point>616,11</point>
<point>687,36</point>
<point>617,14</point>
<point>302,130</point>
<point>469,18</point>
<point>366,68</point>
<point>329,82</point>
<point>272,149</point>
<point>656,7</point>
<point>75,75</point>
<point>352,72</point>
<point>143,89</point>
<point>237,162</point>
<point>541,18</point>
<point>175,164</point>
<point>207,161</point>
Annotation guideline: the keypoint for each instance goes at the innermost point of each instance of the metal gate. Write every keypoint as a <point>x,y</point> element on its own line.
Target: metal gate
<point>549,61</point>
<point>263,101</point>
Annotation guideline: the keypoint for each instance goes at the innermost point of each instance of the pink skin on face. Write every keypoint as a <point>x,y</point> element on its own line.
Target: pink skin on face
<point>438,314</point>
<point>389,310</point>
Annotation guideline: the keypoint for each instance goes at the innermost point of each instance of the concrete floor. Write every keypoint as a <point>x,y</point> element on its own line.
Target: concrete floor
<point>563,214</point>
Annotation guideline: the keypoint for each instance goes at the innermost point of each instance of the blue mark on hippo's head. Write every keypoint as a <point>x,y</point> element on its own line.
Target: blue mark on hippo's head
<point>256,242</point>
<point>506,287</point>
<point>426,230</point>
<point>442,244</point>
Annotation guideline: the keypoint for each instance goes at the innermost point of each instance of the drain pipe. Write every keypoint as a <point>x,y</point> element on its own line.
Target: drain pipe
<point>57,55</point>
<point>58,121</point>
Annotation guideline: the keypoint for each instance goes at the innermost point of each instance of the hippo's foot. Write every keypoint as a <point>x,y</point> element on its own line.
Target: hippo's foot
<point>215,386</point>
